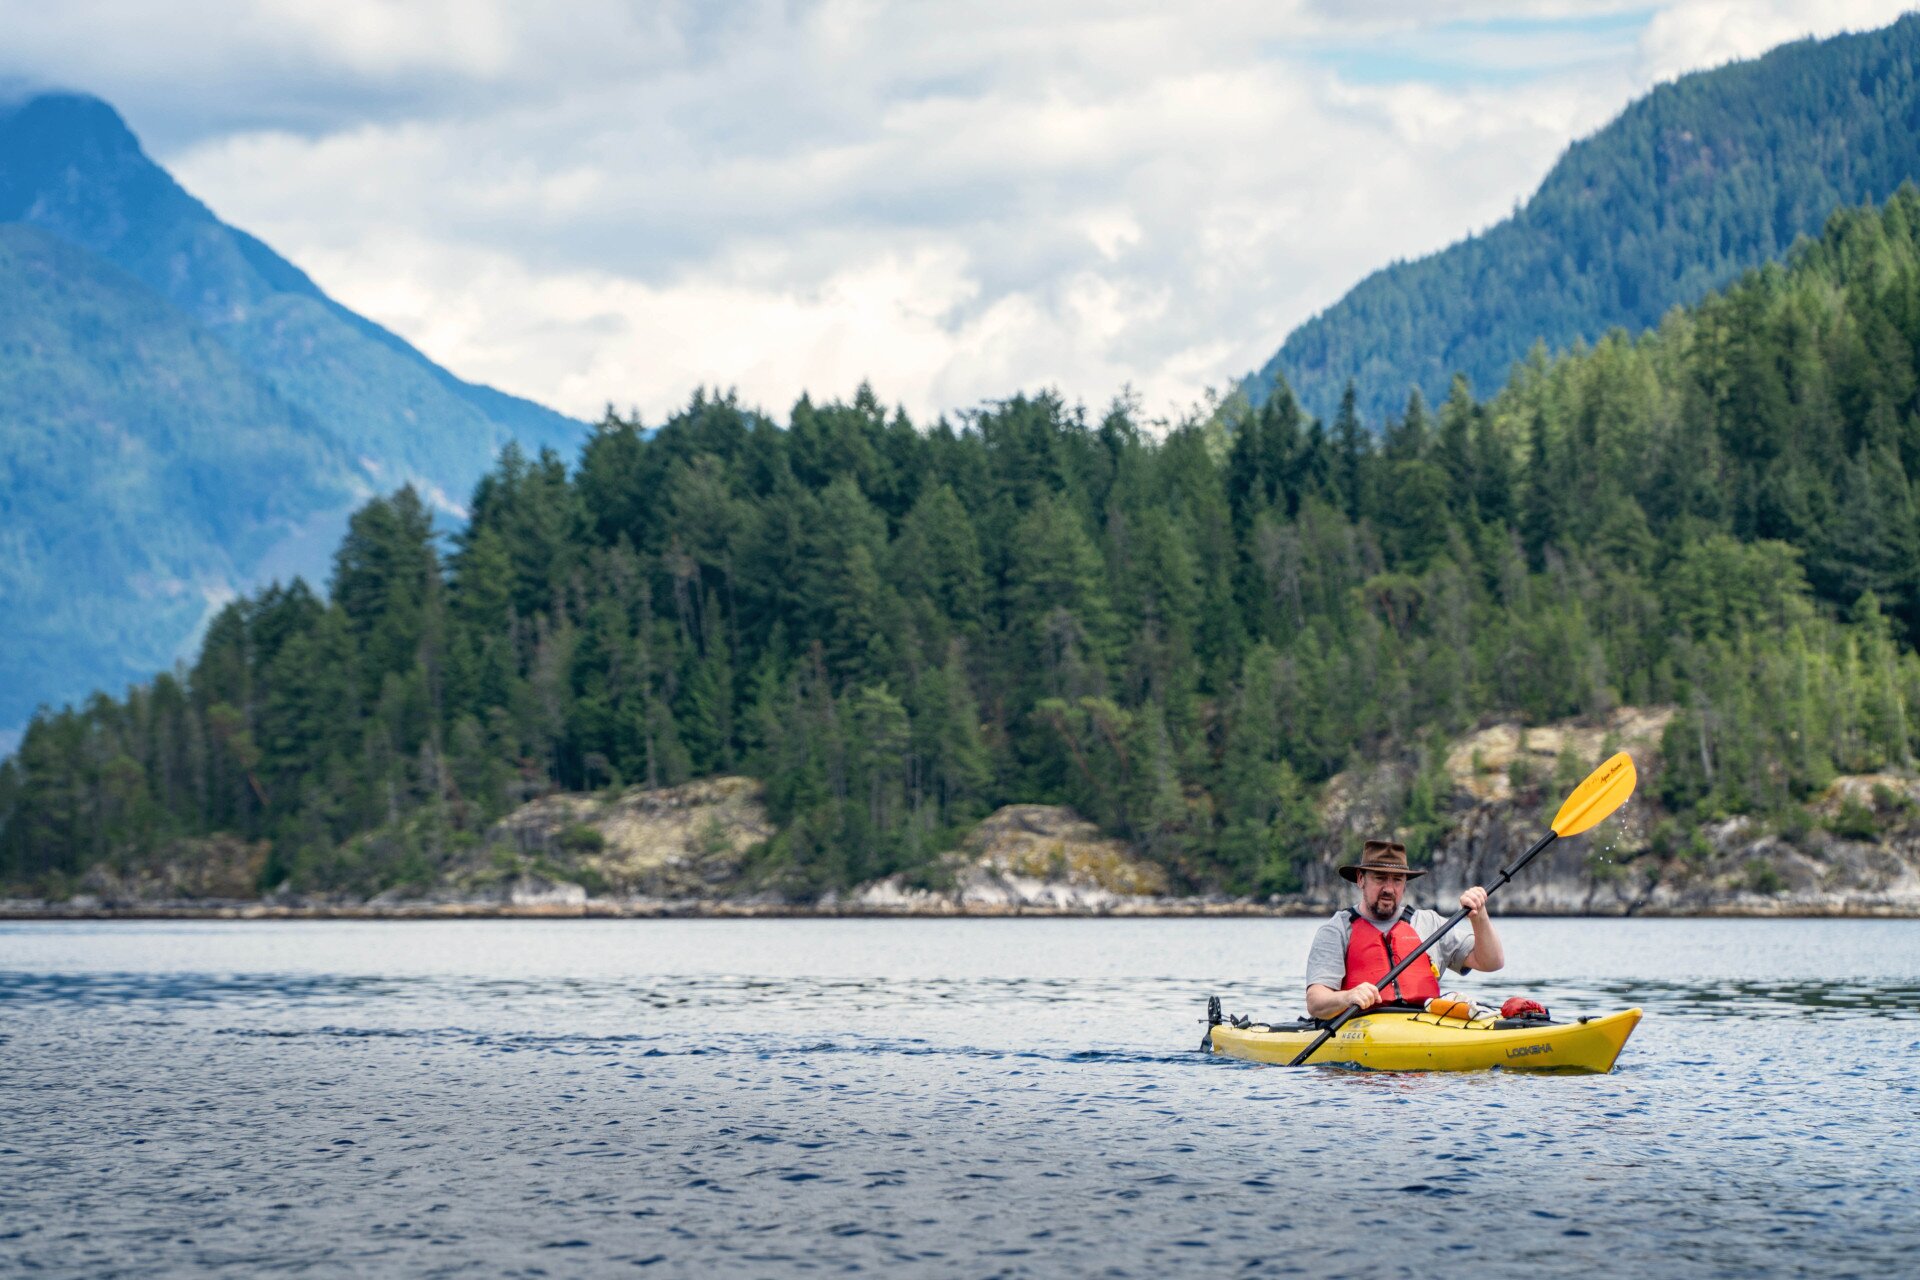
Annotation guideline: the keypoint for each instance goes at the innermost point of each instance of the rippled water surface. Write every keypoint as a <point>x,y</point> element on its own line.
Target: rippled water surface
<point>968,1098</point>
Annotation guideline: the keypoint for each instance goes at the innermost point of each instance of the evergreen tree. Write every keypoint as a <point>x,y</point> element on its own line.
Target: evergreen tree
<point>1351,453</point>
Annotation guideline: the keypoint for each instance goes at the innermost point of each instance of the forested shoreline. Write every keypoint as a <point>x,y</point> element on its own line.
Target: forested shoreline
<point>1180,632</point>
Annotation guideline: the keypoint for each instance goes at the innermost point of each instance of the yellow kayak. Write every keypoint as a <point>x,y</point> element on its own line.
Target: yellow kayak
<point>1402,1040</point>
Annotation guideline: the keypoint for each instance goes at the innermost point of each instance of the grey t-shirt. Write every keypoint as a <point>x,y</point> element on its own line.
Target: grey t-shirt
<point>1327,959</point>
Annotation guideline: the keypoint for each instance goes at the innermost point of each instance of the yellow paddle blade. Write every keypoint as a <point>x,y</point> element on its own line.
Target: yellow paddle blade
<point>1605,790</point>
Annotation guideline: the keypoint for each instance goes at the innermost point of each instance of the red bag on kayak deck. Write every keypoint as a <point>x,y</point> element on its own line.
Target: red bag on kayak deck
<point>1520,1007</point>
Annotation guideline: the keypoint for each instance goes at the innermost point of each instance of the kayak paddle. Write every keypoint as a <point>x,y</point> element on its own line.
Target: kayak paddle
<point>1605,790</point>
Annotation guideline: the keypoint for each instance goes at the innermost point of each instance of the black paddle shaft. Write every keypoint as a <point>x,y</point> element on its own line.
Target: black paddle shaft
<point>1353,1011</point>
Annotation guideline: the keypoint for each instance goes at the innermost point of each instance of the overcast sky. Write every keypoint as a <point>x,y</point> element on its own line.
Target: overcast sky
<point>594,202</point>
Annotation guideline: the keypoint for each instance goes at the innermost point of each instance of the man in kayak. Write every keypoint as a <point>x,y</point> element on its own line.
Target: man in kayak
<point>1355,949</point>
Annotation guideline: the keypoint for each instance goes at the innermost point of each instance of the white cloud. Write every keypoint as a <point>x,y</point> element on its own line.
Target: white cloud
<point>597,203</point>
<point>1688,37</point>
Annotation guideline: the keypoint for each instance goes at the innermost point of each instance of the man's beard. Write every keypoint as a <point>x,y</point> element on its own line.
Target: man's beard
<point>1381,908</point>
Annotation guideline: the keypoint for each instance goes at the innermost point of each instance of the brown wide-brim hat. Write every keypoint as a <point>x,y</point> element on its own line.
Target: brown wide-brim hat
<point>1380,855</point>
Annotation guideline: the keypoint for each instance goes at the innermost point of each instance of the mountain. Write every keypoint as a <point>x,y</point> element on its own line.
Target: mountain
<point>183,413</point>
<point>143,472</point>
<point>1694,183</point>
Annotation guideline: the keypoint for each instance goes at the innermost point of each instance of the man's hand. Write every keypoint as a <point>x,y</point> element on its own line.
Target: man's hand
<point>1475,902</point>
<point>1363,996</point>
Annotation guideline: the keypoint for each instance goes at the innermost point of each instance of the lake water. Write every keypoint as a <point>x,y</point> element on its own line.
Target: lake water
<point>929,1097</point>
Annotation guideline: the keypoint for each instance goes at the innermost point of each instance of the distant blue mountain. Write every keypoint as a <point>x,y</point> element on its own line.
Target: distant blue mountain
<point>1693,184</point>
<point>183,413</point>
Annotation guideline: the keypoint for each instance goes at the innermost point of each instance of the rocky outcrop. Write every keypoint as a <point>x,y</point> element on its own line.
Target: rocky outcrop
<point>636,851</point>
<point>670,842</point>
<point>1854,851</point>
<point>670,851</point>
<point>215,869</point>
<point>518,895</point>
<point>1025,858</point>
<point>1489,764</point>
<point>1735,867</point>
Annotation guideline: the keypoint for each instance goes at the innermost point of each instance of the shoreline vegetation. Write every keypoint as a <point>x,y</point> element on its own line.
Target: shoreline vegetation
<point>693,852</point>
<point>1040,658</point>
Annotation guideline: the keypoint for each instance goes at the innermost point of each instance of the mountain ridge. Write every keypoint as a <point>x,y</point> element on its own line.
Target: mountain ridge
<point>102,577</point>
<point>1691,184</point>
<point>88,180</point>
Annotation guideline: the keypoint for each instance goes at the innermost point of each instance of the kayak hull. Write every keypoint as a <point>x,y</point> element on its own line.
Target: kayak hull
<point>1407,1041</point>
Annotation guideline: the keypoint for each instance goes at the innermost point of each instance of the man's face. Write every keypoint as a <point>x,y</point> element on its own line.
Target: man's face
<point>1382,891</point>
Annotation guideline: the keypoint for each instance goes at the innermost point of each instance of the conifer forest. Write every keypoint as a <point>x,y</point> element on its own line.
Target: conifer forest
<point>1181,630</point>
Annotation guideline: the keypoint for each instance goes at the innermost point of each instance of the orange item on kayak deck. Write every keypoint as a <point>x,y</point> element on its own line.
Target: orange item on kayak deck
<point>1442,1007</point>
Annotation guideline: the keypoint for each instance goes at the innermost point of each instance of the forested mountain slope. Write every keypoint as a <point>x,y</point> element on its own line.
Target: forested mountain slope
<point>900,629</point>
<point>1698,181</point>
<point>144,469</point>
<point>296,404</point>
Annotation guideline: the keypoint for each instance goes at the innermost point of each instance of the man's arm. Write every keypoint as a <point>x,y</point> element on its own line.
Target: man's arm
<point>1487,955</point>
<point>1326,967</point>
<point>1324,1002</point>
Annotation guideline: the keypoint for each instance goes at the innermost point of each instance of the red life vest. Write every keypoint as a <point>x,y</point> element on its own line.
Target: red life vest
<point>1370,954</point>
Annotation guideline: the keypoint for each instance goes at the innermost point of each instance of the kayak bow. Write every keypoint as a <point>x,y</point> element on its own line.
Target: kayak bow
<point>1403,1040</point>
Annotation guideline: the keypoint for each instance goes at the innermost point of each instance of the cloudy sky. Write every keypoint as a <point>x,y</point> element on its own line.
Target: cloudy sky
<point>592,202</point>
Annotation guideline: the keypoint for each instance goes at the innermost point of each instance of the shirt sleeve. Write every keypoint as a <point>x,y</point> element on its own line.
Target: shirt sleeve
<point>1327,958</point>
